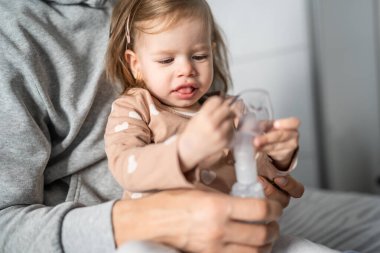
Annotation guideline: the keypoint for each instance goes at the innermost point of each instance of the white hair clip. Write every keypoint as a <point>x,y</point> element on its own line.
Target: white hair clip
<point>127,32</point>
<point>130,20</point>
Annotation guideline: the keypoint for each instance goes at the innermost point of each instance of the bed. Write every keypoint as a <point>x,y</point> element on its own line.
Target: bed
<point>339,220</point>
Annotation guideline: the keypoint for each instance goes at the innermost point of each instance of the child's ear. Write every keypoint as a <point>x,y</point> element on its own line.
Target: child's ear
<point>133,62</point>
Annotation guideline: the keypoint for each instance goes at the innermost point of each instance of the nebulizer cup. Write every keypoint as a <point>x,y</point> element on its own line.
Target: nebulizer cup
<point>255,117</point>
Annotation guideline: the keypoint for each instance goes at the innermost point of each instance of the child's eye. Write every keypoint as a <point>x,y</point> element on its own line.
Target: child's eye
<point>166,61</point>
<point>200,57</point>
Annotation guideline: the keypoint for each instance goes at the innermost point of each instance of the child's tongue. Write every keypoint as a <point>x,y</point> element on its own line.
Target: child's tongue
<point>185,90</point>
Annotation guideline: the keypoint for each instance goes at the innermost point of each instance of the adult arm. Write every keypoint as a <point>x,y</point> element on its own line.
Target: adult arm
<point>26,221</point>
<point>34,216</point>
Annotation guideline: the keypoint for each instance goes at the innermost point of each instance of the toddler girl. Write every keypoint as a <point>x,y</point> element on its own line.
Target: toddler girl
<point>165,131</point>
<point>168,55</point>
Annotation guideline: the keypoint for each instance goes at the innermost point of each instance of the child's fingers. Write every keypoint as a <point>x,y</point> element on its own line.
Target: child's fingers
<point>211,104</point>
<point>227,127</point>
<point>216,106</point>
<point>274,137</point>
<point>224,133</point>
<point>278,149</point>
<point>221,114</point>
<point>287,123</point>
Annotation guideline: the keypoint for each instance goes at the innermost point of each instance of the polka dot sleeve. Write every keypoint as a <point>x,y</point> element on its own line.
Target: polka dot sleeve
<point>138,164</point>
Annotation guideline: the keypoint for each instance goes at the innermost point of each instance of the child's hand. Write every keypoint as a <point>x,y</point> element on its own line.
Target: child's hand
<point>280,142</point>
<point>208,132</point>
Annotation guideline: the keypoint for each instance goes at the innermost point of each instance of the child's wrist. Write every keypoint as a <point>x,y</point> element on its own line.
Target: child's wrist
<point>283,163</point>
<point>187,156</point>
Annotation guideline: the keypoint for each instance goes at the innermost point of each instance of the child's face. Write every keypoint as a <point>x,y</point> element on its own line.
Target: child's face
<point>175,64</point>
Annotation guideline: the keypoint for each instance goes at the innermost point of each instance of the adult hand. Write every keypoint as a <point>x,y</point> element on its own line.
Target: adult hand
<point>208,132</point>
<point>197,221</point>
<point>282,189</point>
<point>281,142</point>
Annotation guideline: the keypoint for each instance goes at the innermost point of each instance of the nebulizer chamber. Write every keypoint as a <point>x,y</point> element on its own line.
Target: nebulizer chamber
<point>252,122</point>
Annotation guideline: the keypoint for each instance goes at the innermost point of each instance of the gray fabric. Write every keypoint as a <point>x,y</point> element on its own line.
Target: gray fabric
<point>92,3</point>
<point>54,107</point>
<point>342,221</point>
<point>290,244</point>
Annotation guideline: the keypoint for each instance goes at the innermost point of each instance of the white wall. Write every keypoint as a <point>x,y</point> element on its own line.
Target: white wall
<point>268,42</point>
<point>348,49</point>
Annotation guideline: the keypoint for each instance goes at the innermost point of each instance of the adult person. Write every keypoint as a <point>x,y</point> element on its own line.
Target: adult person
<point>56,192</point>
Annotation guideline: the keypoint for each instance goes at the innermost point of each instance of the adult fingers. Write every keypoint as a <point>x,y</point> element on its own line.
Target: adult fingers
<point>290,185</point>
<point>254,210</point>
<point>274,193</point>
<point>251,234</point>
<point>233,248</point>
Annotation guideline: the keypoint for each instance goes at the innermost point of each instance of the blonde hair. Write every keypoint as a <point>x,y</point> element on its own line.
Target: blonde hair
<point>128,14</point>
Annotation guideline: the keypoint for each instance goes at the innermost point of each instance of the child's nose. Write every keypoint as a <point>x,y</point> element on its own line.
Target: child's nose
<point>186,68</point>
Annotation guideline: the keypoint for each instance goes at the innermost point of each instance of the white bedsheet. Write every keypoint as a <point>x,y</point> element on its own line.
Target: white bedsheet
<point>342,221</point>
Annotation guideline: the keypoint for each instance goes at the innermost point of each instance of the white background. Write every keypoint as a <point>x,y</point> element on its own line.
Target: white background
<point>319,59</point>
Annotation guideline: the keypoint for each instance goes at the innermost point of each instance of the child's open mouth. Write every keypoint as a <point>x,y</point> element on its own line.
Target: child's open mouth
<point>185,91</point>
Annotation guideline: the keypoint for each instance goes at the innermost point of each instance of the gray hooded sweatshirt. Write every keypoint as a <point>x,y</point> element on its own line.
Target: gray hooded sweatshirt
<point>55,189</point>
